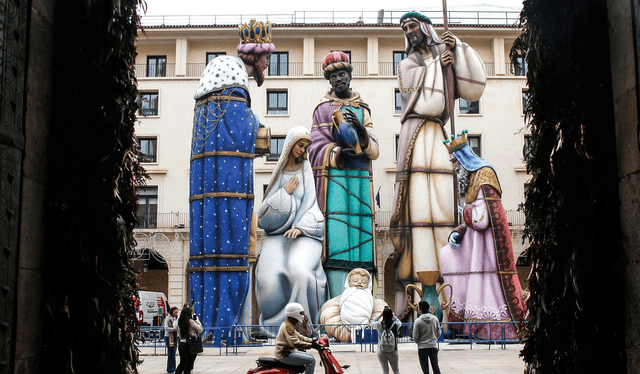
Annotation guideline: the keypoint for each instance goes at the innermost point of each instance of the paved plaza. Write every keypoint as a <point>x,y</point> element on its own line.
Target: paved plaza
<point>454,358</point>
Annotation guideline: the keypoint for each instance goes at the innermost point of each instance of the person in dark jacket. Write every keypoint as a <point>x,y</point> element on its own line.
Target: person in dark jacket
<point>187,325</point>
<point>387,321</point>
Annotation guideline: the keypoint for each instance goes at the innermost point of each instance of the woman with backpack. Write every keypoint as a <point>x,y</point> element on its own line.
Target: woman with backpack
<point>388,326</point>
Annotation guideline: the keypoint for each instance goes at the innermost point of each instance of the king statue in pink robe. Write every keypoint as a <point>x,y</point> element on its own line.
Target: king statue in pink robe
<point>478,262</point>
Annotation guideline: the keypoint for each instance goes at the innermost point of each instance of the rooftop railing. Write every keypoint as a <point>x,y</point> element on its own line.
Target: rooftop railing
<point>360,17</point>
<point>294,69</point>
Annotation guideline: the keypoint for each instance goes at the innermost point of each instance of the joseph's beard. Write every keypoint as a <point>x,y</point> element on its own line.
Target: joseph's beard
<point>417,40</point>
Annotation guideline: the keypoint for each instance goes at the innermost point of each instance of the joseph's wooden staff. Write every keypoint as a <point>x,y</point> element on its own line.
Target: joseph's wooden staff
<point>450,90</point>
<point>450,87</point>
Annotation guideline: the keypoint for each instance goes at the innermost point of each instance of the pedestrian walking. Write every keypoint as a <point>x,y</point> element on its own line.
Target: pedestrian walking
<point>171,338</point>
<point>188,325</point>
<point>388,326</point>
<point>426,330</point>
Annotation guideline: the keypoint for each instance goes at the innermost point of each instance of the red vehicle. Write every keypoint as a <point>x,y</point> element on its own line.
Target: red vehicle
<point>268,365</point>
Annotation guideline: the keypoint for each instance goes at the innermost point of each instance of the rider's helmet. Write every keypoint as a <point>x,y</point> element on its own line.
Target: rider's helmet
<point>294,310</point>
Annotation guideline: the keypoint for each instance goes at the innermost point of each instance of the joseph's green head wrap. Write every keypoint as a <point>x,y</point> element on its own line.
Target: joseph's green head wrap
<point>414,15</point>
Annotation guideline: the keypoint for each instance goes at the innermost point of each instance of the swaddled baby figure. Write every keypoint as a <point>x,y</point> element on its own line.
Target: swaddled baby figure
<point>356,306</point>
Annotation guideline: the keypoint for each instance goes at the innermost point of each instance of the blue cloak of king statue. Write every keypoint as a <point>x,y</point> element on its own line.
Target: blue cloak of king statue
<point>221,179</point>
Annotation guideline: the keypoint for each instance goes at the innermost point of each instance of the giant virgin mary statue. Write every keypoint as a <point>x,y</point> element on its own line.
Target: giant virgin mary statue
<point>289,268</point>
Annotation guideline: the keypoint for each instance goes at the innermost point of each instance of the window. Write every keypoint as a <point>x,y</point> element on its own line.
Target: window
<point>520,66</point>
<point>398,102</point>
<point>474,144</point>
<point>525,100</point>
<point>469,107</point>
<point>526,150</point>
<point>277,142</point>
<point>148,102</point>
<point>147,207</point>
<point>156,66</point>
<point>212,55</point>
<point>279,63</point>
<point>397,57</point>
<point>277,102</point>
<point>397,144</point>
<point>148,149</point>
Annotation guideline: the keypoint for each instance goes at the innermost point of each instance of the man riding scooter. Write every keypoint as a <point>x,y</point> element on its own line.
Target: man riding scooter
<point>289,341</point>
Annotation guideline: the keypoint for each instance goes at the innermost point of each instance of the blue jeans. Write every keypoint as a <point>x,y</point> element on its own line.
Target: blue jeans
<point>171,356</point>
<point>301,358</point>
<point>426,354</point>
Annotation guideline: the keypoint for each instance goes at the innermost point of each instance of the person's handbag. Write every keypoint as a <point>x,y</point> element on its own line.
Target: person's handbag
<point>194,345</point>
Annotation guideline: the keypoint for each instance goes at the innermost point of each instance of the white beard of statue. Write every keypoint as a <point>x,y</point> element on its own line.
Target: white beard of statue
<point>463,179</point>
<point>356,306</point>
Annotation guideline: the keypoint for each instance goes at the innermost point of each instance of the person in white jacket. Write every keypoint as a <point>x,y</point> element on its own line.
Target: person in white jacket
<point>171,338</point>
<point>426,331</point>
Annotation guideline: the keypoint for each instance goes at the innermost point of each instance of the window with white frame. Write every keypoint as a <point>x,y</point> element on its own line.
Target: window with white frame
<point>212,55</point>
<point>279,63</point>
<point>147,216</point>
<point>148,102</point>
<point>469,107</point>
<point>277,102</point>
<point>397,57</point>
<point>156,66</point>
<point>525,100</point>
<point>520,66</point>
<point>277,142</point>
<point>526,149</point>
<point>474,144</point>
<point>397,102</point>
<point>148,149</point>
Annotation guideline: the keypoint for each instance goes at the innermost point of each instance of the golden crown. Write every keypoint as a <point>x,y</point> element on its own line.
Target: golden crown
<point>255,32</point>
<point>456,142</point>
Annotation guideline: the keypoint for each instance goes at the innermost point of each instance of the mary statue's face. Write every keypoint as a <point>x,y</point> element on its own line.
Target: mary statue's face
<point>299,148</point>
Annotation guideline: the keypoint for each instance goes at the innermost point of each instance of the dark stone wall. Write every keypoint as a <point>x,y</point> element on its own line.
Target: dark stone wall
<point>624,36</point>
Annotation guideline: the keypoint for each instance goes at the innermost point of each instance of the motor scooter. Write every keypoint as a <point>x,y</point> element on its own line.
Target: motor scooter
<point>269,365</point>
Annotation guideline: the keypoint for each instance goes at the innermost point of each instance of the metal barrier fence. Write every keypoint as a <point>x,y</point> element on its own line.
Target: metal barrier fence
<point>230,339</point>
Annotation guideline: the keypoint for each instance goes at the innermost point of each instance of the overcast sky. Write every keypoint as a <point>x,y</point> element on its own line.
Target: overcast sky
<point>227,7</point>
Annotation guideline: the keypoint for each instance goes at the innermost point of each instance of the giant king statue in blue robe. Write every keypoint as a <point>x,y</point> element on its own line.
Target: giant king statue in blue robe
<point>221,178</point>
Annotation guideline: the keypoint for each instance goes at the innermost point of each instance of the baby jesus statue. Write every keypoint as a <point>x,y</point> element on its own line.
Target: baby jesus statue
<point>356,306</point>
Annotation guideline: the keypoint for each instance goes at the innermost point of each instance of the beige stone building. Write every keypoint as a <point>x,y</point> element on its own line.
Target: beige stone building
<point>173,52</point>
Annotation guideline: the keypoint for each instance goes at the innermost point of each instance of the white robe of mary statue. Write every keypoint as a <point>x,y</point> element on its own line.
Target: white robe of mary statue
<point>290,270</point>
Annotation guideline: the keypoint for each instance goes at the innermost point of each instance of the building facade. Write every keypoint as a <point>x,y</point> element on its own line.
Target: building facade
<point>171,59</point>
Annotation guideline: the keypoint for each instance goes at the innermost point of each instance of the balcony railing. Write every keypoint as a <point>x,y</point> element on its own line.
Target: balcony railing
<point>295,69</point>
<point>163,221</point>
<point>476,17</point>
<point>159,71</point>
<point>514,70</point>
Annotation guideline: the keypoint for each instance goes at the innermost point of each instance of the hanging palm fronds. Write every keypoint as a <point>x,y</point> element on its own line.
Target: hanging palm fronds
<point>575,321</point>
<point>90,325</point>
